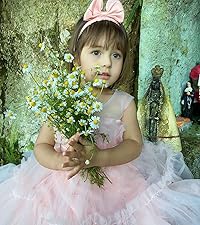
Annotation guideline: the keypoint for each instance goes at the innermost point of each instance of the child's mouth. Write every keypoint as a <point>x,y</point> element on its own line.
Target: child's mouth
<point>104,76</point>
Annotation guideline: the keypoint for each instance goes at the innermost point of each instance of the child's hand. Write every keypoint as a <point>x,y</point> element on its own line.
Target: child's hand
<point>67,160</point>
<point>89,148</point>
<point>85,150</point>
<point>76,147</point>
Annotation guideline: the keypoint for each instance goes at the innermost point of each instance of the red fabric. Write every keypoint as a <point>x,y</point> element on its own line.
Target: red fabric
<point>194,73</point>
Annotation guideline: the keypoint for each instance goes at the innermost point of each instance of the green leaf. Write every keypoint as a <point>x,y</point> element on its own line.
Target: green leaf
<point>132,13</point>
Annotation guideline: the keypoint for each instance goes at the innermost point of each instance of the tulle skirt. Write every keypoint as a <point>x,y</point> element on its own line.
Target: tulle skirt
<point>155,189</point>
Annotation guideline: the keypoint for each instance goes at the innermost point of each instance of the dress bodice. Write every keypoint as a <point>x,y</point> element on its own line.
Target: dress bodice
<point>110,132</point>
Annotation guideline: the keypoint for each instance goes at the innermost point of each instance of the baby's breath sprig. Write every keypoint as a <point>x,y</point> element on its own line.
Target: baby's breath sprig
<point>67,101</point>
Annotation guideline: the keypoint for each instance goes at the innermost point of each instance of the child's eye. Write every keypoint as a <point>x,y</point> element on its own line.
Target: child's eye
<point>96,52</point>
<point>117,55</point>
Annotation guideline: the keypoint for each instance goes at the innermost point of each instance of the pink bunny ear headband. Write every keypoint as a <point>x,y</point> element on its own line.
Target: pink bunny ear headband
<point>114,12</point>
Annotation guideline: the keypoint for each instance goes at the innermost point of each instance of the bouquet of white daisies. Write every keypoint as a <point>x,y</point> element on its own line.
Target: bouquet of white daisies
<point>66,100</point>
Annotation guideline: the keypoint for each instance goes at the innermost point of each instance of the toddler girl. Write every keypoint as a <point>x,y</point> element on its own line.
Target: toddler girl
<point>147,186</point>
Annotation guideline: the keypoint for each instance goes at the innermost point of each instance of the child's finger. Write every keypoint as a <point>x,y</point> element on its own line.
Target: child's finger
<point>74,171</point>
<point>84,141</point>
<point>70,164</point>
<point>70,154</point>
<point>76,146</point>
<point>75,137</point>
<point>67,168</point>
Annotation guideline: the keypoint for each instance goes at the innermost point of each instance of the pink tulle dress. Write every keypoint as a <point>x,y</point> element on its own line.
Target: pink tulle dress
<point>155,189</point>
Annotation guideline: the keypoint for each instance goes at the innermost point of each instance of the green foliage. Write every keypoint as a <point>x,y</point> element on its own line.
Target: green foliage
<point>131,16</point>
<point>95,175</point>
<point>9,148</point>
<point>190,144</point>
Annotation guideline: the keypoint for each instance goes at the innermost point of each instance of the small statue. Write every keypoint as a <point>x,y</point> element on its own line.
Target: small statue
<point>155,101</point>
<point>187,100</point>
<point>156,115</point>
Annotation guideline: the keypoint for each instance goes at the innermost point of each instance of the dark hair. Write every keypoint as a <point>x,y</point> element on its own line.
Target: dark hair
<point>115,36</point>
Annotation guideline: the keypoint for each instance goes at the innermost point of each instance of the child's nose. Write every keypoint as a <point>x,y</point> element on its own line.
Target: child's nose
<point>106,61</point>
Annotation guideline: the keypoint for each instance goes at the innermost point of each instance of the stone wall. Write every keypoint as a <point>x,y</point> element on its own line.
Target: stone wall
<point>170,37</point>
<point>24,24</point>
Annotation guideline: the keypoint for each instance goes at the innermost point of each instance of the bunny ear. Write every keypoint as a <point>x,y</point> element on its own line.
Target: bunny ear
<point>114,12</point>
<point>93,10</point>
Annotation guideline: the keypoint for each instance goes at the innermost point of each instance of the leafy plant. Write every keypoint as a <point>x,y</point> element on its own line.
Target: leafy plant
<point>9,148</point>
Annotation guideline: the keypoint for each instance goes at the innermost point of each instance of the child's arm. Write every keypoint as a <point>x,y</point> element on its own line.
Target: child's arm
<point>126,151</point>
<point>123,153</point>
<point>47,156</point>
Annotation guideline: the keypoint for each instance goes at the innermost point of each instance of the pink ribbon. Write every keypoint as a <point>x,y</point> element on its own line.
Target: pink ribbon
<point>114,12</point>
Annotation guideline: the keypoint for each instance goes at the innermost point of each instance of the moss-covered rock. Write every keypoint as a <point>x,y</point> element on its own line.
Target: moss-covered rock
<point>25,24</point>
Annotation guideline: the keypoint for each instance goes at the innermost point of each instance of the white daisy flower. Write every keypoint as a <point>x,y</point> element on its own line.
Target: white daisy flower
<point>68,57</point>
<point>82,122</point>
<point>106,85</point>
<point>68,114</point>
<point>26,68</point>
<point>97,69</point>
<point>86,132</point>
<point>79,93</point>
<point>58,95</point>
<point>42,46</point>
<point>80,106</point>
<point>9,114</point>
<point>97,106</point>
<point>98,83</point>
<point>71,120</point>
<point>94,122</point>
<point>72,77</point>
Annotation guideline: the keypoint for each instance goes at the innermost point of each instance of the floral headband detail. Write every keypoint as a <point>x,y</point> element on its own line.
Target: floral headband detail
<point>114,12</point>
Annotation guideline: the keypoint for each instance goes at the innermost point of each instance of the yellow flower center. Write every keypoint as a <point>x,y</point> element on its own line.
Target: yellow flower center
<point>74,83</point>
<point>72,92</point>
<point>55,75</point>
<point>44,109</point>
<point>25,66</point>
<point>66,83</point>
<point>90,89</point>
<point>71,76</point>
<point>95,121</point>
<point>32,104</point>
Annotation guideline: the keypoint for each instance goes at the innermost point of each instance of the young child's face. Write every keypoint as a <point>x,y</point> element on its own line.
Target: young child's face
<point>108,61</point>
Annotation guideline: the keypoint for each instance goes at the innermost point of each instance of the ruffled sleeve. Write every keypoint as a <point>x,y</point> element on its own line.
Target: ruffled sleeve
<point>117,105</point>
<point>111,125</point>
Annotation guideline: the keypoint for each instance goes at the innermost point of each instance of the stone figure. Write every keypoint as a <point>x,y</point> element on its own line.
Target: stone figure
<point>156,115</point>
<point>155,101</point>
